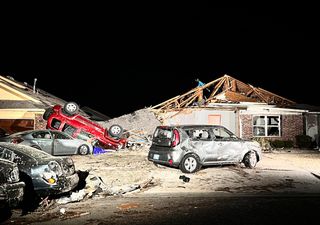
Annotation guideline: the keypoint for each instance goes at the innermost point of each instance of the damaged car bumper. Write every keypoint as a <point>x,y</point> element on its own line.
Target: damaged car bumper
<point>62,185</point>
<point>11,194</point>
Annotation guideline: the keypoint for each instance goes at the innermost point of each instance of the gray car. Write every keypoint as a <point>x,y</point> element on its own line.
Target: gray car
<point>11,188</point>
<point>191,146</point>
<point>52,142</point>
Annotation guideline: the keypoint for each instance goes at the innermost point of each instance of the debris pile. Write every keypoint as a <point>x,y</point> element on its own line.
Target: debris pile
<point>95,187</point>
<point>140,125</point>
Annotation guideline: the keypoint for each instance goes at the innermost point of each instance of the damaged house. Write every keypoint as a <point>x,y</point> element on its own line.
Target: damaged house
<point>22,106</point>
<point>246,110</point>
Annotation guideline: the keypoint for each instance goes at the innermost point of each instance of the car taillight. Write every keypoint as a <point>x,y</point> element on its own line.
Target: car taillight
<point>176,138</point>
<point>16,140</point>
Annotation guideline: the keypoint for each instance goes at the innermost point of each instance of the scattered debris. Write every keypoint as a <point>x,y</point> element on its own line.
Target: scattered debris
<point>127,206</point>
<point>96,187</point>
<point>184,178</point>
<point>62,210</point>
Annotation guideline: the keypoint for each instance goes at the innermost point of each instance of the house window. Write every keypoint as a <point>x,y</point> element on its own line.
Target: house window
<point>266,126</point>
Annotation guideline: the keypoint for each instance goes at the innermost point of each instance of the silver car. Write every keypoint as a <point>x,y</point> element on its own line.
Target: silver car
<point>52,142</point>
<point>191,146</point>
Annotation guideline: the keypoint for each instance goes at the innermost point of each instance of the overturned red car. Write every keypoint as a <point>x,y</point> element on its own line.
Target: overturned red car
<point>68,120</point>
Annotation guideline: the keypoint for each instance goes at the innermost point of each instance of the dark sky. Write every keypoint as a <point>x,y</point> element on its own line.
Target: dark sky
<point>117,61</point>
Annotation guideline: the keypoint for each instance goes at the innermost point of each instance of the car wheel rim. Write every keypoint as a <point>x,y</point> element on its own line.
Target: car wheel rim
<point>253,159</point>
<point>83,150</point>
<point>190,164</point>
<point>71,107</point>
<point>115,130</point>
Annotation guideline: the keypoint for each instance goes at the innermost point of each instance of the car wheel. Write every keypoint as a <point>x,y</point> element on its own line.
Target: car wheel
<point>250,159</point>
<point>115,130</point>
<point>83,150</point>
<point>71,108</point>
<point>47,113</point>
<point>190,164</point>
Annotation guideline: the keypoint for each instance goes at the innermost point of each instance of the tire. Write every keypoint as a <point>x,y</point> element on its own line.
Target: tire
<point>115,130</point>
<point>47,113</point>
<point>70,108</point>
<point>250,159</point>
<point>83,150</point>
<point>190,164</point>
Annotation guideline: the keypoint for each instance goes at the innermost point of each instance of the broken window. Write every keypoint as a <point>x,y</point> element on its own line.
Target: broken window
<point>221,133</point>
<point>58,135</point>
<point>199,134</point>
<point>69,129</point>
<point>55,123</point>
<point>84,135</point>
<point>41,134</point>
<point>266,126</point>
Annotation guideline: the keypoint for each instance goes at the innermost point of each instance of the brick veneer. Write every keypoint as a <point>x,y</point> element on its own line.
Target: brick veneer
<point>291,125</point>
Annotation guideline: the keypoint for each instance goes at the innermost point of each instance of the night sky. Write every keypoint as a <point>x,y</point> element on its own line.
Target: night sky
<point>117,61</point>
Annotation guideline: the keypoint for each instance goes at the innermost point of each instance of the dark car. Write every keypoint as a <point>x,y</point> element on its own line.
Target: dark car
<point>11,188</point>
<point>46,174</point>
<point>68,120</point>
<point>51,141</point>
<point>190,147</point>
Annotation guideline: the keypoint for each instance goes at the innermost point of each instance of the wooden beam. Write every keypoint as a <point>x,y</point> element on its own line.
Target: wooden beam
<point>233,86</point>
<point>260,89</point>
<point>216,88</point>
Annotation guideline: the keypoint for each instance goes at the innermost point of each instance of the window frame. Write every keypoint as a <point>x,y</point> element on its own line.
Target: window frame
<point>266,126</point>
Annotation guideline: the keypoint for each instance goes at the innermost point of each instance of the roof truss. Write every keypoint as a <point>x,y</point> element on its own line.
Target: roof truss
<point>223,89</point>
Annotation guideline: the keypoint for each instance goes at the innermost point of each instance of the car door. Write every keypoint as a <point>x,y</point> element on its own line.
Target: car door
<point>227,145</point>
<point>43,139</point>
<point>201,143</point>
<point>63,144</point>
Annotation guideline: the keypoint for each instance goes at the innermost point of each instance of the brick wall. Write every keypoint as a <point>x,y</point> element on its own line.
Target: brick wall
<point>40,123</point>
<point>291,125</point>
<point>246,129</point>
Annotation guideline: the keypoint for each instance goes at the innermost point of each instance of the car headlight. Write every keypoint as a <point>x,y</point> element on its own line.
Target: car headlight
<point>55,167</point>
<point>52,172</point>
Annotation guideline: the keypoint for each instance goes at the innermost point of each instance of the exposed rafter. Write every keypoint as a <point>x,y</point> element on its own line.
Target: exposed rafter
<point>223,89</point>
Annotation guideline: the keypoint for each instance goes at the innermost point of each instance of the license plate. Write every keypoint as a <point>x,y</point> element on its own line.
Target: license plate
<point>156,156</point>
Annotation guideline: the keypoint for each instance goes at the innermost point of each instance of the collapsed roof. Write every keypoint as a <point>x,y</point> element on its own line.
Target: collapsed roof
<point>225,89</point>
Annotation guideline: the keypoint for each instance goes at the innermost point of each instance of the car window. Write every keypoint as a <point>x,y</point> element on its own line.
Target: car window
<point>55,123</point>
<point>199,134</point>
<point>221,133</point>
<point>41,134</point>
<point>163,133</point>
<point>58,135</point>
<point>84,135</point>
<point>69,129</point>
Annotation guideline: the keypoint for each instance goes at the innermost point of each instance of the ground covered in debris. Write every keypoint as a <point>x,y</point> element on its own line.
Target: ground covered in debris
<point>128,173</point>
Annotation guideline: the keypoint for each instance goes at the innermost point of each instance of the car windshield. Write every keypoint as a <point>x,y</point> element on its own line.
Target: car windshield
<point>32,152</point>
